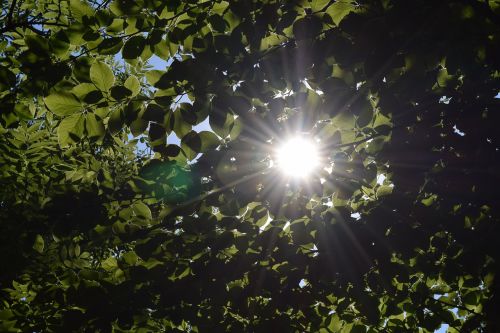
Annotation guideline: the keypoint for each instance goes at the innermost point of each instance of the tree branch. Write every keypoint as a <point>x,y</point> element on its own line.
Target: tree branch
<point>11,12</point>
<point>29,25</point>
<point>461,307</point>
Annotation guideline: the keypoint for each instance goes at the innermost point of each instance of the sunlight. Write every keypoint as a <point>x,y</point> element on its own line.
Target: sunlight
<point>298,157</point>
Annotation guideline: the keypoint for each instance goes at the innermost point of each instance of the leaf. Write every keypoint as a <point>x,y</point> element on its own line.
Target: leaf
<point>154,112</point>
<point>138,126</point>
<point>80,9</point>
<point>130,258</point>
<point>180,127</point>
<point>236,128</point>
<point>142,210</point>
<point>7,78</point>
<point>133,47</point>
<point>63,104</point>
<point>384,190</point>
<point>71,129</point>
<point>471,298</point>
<point>191,145</point>
<point>95,127</point>
<point>429,200</point>
<point>83,89</point>
<point>39,244</point>
<point>110,46</point>
<point>120,92</point>
<point>381,120</point>
<point>154,76</point>
<point>308,27</point>
<point>133,84</point>
<point>161,50</point>
<point>102,76</point>
<point>209,141</point>
<point>217,22</point>
<point>335,323</point>
<point>115,121</point>
<point>365,115</point>
<point>443,78</point>
<point>110,264</point>
<point>357,329</point>
<point>340,9</point>
<point>221,123</point>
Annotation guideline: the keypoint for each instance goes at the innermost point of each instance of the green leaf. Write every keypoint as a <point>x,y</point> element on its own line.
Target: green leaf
<point>142,210</point>
<point>384,190</point>
<point>154,76</point>
<point>236,128</point>
<point>71,129</point>
<point>154,112</point>
<point>130,258</point>
<point>221,123</point>
<point>217,22</point>
<point>120,92</point>
<point>357,329</point>
<point>429,200</point>
<point>340,9</point>
<point>110,264</point>
<point>471,298</point>
<point>335,324</point>
<point>102,76</point>
<point>83,89</point>
<point>39,244</point>
<point>133,47</point>
<point>115,121</point>
<point>133,84</point>
<point>209,141</point>
<point>191,145</point>
<point>443,78</point>
<point>180,127</point>
<point>308,27</point>
<point>138,126</point>
<point>95,127</point>
<point>80,9</point>
<point>110,46</point>
<point>63,104</point>
<point>7,78</point>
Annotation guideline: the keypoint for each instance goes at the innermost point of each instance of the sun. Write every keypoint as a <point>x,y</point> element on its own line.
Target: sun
<point>297,157</point>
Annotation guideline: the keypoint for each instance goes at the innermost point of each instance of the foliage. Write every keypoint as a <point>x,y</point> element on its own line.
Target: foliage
<point>396,234</point>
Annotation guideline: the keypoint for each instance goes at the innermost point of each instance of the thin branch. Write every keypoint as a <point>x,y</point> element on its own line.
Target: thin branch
<point>103,4</point>
<point>461,307</point>
<point>11,12</point>
<point>29,25</point>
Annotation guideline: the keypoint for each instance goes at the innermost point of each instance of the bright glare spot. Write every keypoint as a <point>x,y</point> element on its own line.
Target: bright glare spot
<point>457,131</point>
<point>298,157</point>
<point>356,216</point>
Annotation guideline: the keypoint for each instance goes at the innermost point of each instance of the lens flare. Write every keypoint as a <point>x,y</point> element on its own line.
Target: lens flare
<point>298,157</point>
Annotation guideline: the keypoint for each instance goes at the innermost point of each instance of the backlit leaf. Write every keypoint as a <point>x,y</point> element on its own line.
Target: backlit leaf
<point>102,76</point>
<point>63,104</point>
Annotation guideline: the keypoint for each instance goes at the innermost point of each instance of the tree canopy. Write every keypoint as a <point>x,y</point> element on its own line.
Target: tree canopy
<point>110,224</point>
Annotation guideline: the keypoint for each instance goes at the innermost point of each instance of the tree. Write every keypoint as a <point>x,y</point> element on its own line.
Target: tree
<point>396,233</point>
